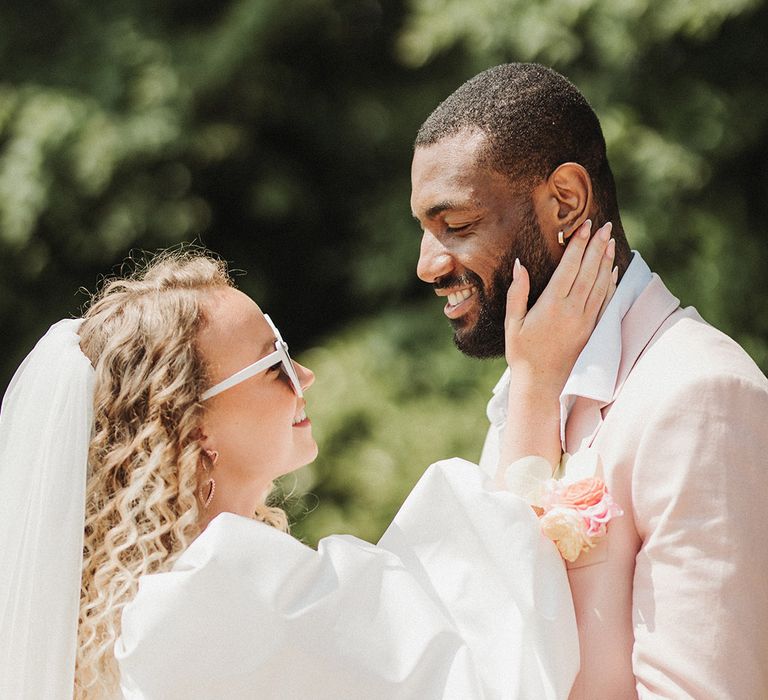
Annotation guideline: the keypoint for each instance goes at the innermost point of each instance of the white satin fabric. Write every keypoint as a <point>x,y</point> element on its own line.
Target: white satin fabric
<point>462,598</point>
<point>45,428</point>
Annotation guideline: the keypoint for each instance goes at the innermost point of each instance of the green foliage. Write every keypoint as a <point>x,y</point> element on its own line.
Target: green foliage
<point>278,132</point>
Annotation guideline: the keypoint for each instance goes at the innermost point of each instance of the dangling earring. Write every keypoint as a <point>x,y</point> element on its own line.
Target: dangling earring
<point>210,485</point>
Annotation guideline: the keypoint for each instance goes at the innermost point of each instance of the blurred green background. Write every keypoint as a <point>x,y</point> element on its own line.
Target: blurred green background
<point>278,133</point>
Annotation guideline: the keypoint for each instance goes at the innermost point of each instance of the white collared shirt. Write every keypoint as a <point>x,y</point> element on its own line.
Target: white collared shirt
<point>594,374</point>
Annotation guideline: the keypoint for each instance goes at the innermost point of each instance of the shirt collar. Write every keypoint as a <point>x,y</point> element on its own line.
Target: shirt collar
<point>594,374</point>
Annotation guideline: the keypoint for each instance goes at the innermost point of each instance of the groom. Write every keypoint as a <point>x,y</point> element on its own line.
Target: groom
<point>674,603</point>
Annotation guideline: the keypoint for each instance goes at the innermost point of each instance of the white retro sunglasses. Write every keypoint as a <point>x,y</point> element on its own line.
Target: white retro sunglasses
<point>280,355</point>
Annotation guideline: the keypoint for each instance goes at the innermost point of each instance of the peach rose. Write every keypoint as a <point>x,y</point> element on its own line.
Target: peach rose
<point>576,515</point>
<point>583,493</point>
<point>568,531</point>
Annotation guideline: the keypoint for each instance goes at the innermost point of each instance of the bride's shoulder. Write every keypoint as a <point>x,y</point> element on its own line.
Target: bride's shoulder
<point>452,471</point>
<point>233,539</point>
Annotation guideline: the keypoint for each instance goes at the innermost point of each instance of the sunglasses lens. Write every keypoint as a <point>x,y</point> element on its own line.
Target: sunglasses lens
<point>290,370</point>
<point>288,366</point>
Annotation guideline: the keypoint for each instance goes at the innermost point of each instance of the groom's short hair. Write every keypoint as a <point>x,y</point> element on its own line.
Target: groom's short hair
<point>534,120</point>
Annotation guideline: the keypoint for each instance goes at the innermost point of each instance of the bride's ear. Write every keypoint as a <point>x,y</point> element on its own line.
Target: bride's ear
<point>210,453</point>
<point>563,202</point>
<point>199,436</point>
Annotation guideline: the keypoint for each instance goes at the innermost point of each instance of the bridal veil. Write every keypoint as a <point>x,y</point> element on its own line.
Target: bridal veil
<point>45,429</point>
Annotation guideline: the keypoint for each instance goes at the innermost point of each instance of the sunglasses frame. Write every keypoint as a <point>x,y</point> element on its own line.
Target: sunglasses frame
<point>280,354</point>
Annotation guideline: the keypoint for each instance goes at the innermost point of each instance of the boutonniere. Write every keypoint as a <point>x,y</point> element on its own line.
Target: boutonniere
<point>573,505</point>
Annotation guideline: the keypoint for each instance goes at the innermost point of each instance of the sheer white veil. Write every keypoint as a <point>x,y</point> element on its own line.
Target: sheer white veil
<point>45,428</point>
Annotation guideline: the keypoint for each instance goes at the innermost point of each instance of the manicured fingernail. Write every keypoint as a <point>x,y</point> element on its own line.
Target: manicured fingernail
<point>615,275</point>
<point>605,231</point>
<point>516,269</point>
<point>610,249</point>
<point>585,228</point>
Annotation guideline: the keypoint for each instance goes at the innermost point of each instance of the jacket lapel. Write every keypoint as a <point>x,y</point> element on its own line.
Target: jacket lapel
<point>638,328</point>
<point>643,320</point>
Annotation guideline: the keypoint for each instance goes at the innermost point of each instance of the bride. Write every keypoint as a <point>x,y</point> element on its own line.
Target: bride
<point>159,571</point>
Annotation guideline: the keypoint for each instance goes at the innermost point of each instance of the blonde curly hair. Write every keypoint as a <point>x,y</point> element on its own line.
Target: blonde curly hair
<point>145,461</point>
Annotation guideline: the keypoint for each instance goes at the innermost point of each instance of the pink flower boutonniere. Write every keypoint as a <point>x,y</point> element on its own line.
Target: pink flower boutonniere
<point>576,515</point>
<point>575,509</point>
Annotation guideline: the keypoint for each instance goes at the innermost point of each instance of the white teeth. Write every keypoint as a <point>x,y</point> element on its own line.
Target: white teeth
<point>302,416</point>
<point>457,297</point>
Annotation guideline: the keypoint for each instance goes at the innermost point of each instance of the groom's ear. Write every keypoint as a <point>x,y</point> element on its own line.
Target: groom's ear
<point>563,202</point>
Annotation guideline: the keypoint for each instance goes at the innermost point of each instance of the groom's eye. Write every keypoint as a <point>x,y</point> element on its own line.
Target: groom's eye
<point>456,229</point>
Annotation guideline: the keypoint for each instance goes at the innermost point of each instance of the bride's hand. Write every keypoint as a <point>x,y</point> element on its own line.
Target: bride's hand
<point>543,344</point>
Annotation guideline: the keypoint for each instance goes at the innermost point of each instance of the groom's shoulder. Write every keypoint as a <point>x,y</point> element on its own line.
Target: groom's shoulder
<point>665,346</point>
<point>692,386</point>
<point>697,347</point>
<point>687,352</point>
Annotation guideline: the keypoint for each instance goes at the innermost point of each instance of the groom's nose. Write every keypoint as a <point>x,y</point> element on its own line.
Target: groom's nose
<point>434,259</point>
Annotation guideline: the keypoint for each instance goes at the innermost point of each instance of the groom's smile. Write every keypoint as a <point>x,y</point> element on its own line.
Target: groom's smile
<point>459,301</point>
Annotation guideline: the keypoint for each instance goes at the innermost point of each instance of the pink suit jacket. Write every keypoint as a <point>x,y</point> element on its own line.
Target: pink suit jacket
<point>674,603</point>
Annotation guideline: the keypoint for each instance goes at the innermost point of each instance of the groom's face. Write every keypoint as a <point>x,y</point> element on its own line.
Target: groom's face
<point>475,224</point>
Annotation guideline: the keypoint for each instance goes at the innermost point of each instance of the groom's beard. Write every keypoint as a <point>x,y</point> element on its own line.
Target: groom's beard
<point>486,337</point>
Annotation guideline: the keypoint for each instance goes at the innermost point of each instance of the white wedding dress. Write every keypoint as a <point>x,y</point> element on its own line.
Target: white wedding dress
<point>463,597</point>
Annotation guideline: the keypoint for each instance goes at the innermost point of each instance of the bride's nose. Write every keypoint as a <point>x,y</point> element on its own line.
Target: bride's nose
<point>306,376</point>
